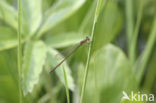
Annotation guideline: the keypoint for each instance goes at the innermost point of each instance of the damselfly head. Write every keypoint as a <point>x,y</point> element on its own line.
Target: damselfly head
<point>87,39</point>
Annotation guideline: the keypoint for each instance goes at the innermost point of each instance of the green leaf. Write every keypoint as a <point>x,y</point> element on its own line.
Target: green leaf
<point>8,86</point>
<point>32,15</point>
<point>109,74</point>
<point>8,77</point>
<point>46,4</point>
<point>108,25</point>
<point>52,61</point>
<point>64,39</point>
<point>61,11</point>
<point>34,59</point>
<point>8,38</point>
<point>151,73</point>
<point>8,14</point>
<point>8,63</point>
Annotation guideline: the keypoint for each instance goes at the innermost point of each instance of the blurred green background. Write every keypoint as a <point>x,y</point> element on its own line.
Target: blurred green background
<point>123,55</point>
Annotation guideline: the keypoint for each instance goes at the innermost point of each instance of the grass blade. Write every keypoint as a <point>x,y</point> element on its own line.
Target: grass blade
<point>19,51</point>
<point>98,7</point>
<point>66,85</point>
<point>141,66</point>
<point>129,24</point>
<point>136,33</point>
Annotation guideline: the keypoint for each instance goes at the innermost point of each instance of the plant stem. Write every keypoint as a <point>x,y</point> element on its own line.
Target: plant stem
<point>66,85</point>
<point>136,33</point>
<point>146,54</point>
<point>130,25</point>
<point>19,51</point>
<point>97,12</point>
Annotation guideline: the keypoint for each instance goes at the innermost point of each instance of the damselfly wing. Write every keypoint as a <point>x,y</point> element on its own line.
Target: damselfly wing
<point>85,41</point>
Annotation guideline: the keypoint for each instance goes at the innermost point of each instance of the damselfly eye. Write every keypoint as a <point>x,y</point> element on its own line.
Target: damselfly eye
<point>87,38</point>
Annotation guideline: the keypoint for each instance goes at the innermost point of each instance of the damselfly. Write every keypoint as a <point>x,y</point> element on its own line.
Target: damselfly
<point>85,41</point>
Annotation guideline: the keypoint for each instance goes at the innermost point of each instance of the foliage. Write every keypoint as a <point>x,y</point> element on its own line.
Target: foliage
<point>121,53</point>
